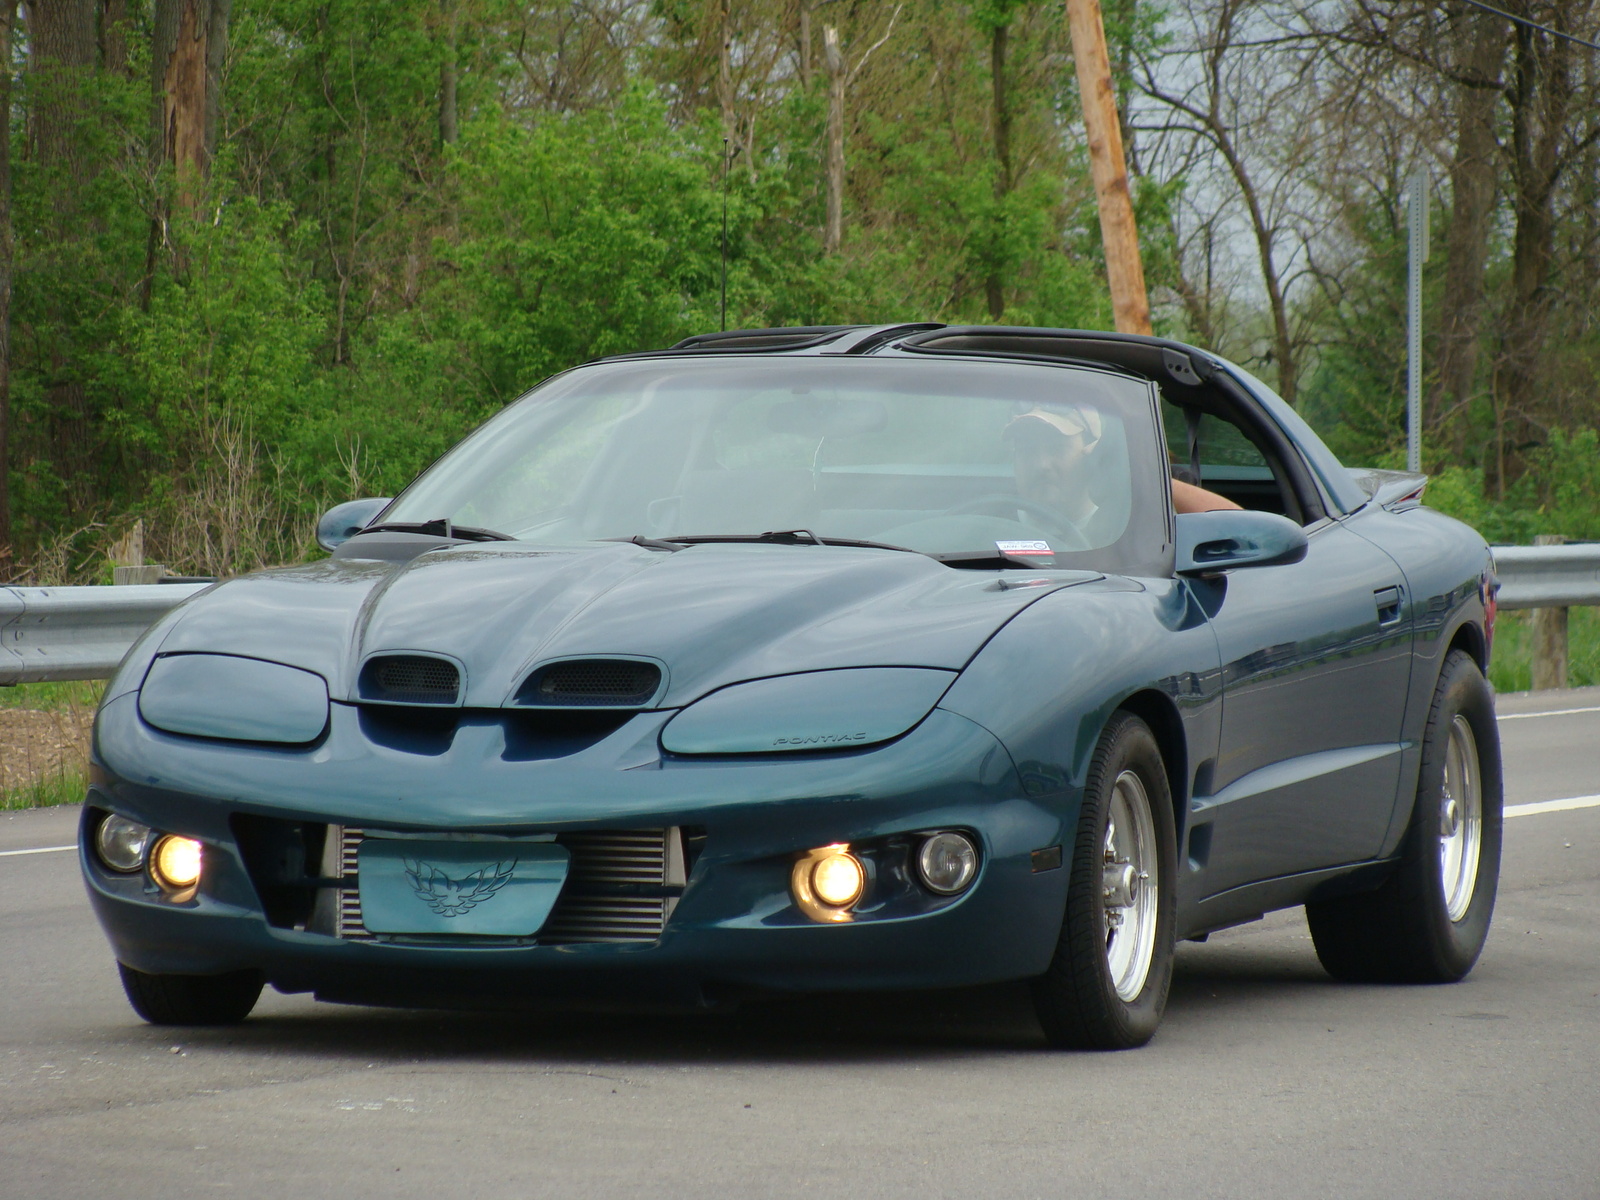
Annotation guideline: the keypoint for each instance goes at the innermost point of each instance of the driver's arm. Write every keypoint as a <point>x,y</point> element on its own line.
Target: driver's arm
<point>1186,498</point>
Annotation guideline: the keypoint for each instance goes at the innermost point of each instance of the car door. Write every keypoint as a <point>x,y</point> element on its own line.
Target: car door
<point>1316,665</point>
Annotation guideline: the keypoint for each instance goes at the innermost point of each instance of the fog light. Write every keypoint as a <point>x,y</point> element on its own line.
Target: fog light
<point>121,843</point>
<point>838,879</point>
<point>175,863</point>
<point>827,881</point>
<point>947,862</point>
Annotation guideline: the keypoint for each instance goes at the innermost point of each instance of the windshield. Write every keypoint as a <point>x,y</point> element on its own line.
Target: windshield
<point>953,458</point>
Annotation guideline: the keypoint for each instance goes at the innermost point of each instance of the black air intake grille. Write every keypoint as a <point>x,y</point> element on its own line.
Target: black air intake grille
<point>410,679</point>
<point>612,682</point>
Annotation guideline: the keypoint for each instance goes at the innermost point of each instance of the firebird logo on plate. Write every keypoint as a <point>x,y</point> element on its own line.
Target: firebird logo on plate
<point>453,897</point>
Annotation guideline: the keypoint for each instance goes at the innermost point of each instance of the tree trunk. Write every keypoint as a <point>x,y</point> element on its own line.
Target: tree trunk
<point>62,50</point>
<point>188,46</point>
<point>114,24</point>
<point>833,238</point>
<point>1541,99</point>
<point>995,285</point>
<point>449,130</point>
<point>8,13</point>
<point>805,44</point>
<point>1473,171</point>
<point>63,53</point>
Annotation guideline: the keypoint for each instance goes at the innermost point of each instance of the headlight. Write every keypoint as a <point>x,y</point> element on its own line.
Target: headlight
<point>121,843</point>
<point>225,696</point>
<point>818,710</point>
<point>947,863</point>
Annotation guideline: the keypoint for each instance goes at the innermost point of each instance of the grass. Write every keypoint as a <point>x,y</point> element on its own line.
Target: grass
<point>1511,667</point>
<point>80,696</point>
<point>66,783</point>
<point>66,786</point>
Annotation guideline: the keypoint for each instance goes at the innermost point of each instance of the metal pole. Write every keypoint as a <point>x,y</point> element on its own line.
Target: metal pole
<point>1417,228</point>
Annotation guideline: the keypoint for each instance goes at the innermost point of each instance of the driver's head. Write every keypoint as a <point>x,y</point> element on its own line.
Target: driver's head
<point>1048,444</point>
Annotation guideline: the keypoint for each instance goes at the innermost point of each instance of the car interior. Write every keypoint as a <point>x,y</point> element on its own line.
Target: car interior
<point>1215,437</point>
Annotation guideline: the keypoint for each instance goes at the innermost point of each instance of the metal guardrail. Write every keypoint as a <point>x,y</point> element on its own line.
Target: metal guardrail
<point>1548,576</point>
<point>49,634</point>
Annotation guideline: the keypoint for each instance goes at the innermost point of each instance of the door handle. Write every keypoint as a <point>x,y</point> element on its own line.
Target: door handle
<point>1388,600</point>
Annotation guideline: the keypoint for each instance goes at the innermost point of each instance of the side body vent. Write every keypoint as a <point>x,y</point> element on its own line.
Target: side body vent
<point>410,679</point>
<point>591,683</point>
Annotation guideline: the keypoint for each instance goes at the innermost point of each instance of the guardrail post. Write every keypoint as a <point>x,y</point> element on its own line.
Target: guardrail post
<point>132,576</point>
<point>1549,635</point>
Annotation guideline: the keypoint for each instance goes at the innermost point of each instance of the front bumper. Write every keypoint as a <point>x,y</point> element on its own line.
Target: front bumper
<point>734,927</point>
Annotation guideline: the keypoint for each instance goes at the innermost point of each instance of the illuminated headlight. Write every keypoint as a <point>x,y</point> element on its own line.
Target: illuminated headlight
<point>947,863</point>
<point>827,881</point>
<point>175,863</point>
<point>121,843</point>
<point>242,699</point>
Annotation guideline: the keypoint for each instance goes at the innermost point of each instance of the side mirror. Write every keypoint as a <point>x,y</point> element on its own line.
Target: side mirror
<point>1209,542</point>
<point>343,521</point>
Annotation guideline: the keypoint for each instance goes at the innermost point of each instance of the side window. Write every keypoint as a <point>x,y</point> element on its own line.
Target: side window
<point>1230,463</point>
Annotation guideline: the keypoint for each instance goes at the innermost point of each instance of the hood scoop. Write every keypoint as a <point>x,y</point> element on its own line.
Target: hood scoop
<point>410,679</point>
<point>592,683</point>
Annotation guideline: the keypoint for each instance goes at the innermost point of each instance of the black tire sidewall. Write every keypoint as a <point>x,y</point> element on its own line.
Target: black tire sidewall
<point>1455,945</point>
<point>1077,998</point>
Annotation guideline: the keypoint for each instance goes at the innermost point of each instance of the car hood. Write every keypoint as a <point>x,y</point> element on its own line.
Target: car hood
<point>711,614</point>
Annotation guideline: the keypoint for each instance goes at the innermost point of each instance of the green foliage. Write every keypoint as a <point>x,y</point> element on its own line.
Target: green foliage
<point>1511,663</point>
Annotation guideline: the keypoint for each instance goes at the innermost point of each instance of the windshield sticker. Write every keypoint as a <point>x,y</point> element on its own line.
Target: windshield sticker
<point>1025,549</point>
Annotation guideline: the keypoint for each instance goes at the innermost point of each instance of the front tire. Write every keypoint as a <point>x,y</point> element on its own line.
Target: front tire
<point>1106,987</point>
<point>191,999</point>
<point>1429,920</point>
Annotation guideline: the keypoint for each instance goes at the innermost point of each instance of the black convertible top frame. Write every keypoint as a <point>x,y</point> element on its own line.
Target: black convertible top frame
<point>1187,377</point>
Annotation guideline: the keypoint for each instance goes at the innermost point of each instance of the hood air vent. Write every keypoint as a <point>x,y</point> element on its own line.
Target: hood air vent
<point>410,679</point>
<point>591,683</point>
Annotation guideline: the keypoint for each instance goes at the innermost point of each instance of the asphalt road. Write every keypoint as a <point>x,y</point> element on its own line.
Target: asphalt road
<point>1266,1080</point>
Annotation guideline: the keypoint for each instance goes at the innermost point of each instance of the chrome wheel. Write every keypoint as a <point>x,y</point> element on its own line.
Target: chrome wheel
<point>1460,820</point>
<point>1130,882</point>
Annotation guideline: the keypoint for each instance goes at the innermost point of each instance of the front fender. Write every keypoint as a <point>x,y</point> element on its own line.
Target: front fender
<point>1046,683</point>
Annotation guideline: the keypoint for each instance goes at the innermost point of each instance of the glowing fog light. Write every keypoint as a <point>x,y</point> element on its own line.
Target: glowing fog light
<point>838,879</point>
<point>947,862</point>
<point>121,843</point>
<point>827,881</point>
<point>175,862</point>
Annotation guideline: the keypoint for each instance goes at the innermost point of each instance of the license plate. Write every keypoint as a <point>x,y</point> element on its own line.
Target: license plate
<point>481,888</point>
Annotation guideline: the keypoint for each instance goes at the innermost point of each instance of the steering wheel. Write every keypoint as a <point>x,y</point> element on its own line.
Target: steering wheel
<point>1001,504</point>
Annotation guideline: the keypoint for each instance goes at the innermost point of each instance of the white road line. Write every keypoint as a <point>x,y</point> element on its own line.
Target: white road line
<point>36,850</point>
<point>1544,806</point>
<point>1555,712</point>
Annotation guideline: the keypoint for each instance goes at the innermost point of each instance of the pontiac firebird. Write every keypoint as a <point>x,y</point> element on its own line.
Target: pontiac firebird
<point>756,664</point>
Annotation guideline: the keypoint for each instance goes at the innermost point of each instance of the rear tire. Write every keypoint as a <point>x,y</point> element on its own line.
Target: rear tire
<point>1429,920</point>
<point>1106,987</point>
<point>191,999</point>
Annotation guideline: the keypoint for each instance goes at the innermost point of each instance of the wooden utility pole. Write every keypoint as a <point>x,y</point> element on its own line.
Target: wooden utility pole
<point>1110,170</point>
<point>833,235</point>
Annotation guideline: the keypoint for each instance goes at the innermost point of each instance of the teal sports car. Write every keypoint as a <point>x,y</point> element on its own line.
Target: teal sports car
<point>823,658</point>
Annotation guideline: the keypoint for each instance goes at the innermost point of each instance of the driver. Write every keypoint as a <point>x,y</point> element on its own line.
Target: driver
<point>1049,449</point>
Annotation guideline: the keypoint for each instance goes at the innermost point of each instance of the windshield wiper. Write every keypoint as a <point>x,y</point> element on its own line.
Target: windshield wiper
<point>786,537</point>
<point>441,527</point>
